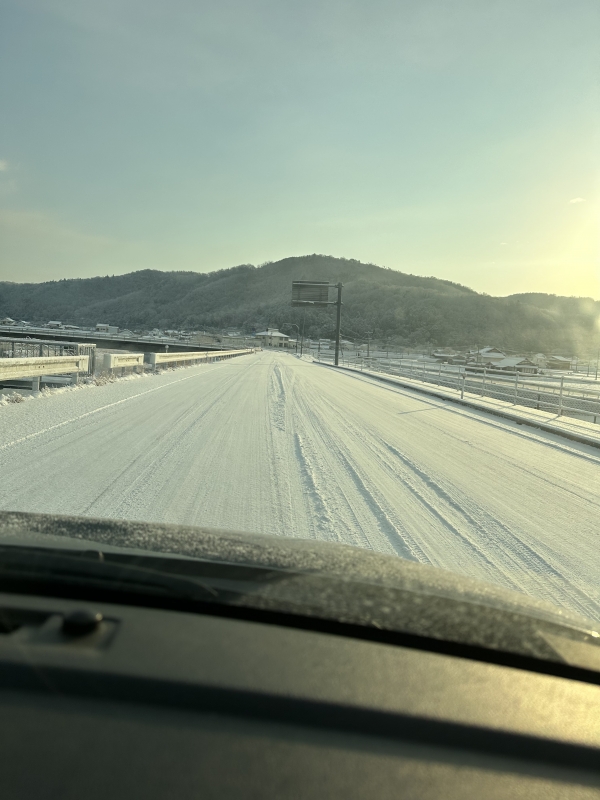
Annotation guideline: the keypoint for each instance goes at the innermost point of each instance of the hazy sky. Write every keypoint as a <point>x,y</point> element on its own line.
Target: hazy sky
<point>455,138</point>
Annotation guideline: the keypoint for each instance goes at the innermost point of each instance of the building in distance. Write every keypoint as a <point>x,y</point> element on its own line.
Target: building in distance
<point>272,337</point>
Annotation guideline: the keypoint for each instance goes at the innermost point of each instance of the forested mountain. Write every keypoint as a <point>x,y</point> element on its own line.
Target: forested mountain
<point>396,307</point>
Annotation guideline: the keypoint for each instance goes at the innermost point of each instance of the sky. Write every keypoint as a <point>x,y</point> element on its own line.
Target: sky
<point>453,138</point>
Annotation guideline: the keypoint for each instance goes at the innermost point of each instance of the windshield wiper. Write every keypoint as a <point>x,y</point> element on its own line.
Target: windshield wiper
<point>22,567</point>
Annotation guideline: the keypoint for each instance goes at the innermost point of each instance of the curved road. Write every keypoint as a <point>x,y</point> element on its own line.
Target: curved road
<point>271,444</point>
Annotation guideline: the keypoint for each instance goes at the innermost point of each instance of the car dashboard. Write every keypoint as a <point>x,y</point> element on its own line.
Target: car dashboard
<point>163,703</point>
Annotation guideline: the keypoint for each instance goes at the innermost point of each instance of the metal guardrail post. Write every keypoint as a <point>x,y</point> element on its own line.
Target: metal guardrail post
<point>516,388</point>
<point>462,389</point>
<point>483,384</point>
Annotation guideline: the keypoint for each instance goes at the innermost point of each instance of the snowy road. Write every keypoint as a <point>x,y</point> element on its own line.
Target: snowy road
<point>271,444</point>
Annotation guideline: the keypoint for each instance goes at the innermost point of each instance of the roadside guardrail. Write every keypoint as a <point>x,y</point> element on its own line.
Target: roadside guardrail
<point>207,356</point>
<point>35,368</point>
<point>44,348</point>
<point>562,395</point>
<point>114,361</point>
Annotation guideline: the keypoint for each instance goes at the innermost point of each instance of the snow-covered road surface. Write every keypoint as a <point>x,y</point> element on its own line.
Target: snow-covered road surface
<point>272,444</point>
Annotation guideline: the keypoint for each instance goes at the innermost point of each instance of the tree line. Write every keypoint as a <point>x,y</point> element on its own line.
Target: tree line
<point>389,306</point>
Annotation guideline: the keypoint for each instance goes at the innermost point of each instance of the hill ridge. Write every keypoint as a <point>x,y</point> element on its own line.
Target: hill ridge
<point>398,307</point>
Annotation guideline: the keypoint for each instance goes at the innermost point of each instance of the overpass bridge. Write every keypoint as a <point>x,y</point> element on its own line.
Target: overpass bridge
<point>106,341</point>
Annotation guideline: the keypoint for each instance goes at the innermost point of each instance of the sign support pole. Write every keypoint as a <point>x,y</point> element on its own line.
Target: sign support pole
<point>316,294</point>
<point>338,324</point>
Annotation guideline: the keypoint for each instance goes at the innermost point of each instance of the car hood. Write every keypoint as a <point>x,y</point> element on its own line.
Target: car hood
<point>300,556</point>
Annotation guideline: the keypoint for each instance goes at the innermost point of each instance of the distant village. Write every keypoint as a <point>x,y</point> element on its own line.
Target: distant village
<point>493,357</point>
<point>475,358</point>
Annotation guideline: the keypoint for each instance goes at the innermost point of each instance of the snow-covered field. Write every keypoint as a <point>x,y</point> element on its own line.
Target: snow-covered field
<point>273,444</point>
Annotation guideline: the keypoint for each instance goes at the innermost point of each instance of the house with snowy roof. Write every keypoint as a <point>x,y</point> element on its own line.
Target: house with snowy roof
<point>272,337</point>
<point>560,362</point>
<point>516,364</point>
<point>487,355</point>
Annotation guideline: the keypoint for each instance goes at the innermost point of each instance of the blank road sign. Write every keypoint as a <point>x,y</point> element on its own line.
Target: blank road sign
<point>310,293</point>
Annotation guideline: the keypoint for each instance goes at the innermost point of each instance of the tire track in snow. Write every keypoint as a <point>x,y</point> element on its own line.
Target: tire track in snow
<point>314,455</point>
<point>487,540</point>
<point>405,481</point>
<point>321,518</point>
<point>278,398</point>
<point>336,484</point>
<point>506,551</point>
<point>404,544</point>
<point>500,551</point>
<point>278,435</point>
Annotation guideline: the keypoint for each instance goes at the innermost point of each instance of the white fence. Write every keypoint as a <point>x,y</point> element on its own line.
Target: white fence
<point>17,368</point>
<point>562,395</point>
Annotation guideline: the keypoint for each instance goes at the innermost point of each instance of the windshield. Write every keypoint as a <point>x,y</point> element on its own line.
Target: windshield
<point>321,271</point>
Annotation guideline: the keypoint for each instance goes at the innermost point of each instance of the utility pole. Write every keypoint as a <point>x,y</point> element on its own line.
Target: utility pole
<point>302,339</point>
<point>293,325</point>
<point>338,324</point>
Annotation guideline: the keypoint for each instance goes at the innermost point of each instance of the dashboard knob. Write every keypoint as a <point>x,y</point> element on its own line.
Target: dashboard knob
<point>80,622</point>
